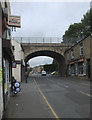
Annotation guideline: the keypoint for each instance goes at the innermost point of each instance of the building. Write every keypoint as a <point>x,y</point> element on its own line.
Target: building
<point>38,69</point>
<point>1,85</point>
<point>6,57</point>
<point>19,68</point>
<point>79,59</point>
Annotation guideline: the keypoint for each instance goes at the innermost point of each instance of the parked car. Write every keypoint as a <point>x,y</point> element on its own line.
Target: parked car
<point>53,73</point>
<point>43,73</point>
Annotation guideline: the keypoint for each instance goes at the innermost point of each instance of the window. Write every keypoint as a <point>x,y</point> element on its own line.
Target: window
<point>76,69</point>
<point>81,49</point>
<point>69,70</point>
<point>80,66</point>
<point>68,56</point>
<point>72,69</point>
<point>72,53</point>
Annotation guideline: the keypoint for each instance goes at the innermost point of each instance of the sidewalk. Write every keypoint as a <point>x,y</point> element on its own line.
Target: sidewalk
<point>28,104</point>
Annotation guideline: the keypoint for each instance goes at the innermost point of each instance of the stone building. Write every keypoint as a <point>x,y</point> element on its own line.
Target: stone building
<point>79,59</point>
<point>38,69</point>
<point>18,71</point>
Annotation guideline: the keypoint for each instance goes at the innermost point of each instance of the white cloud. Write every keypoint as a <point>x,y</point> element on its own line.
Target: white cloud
<point>40,61</point>
<point>47,19</point>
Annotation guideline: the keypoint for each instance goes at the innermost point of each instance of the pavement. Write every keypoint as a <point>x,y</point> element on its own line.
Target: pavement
<point>51,97</point>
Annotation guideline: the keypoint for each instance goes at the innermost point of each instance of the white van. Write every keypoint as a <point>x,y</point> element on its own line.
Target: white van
<point>43,73</point>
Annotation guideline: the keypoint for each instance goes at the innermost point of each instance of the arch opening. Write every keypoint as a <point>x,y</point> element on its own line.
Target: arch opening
<point>58,57</point>
<point>40,60</point>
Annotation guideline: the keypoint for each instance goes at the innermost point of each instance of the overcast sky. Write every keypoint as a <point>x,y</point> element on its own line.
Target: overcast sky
<point>47,19</point>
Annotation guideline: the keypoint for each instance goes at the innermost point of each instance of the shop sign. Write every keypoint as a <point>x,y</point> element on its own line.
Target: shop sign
<point>13,64</point>
<point>71,62</point>
<point>5,87</point>
<point>14,21</point>
<point>81,60</point>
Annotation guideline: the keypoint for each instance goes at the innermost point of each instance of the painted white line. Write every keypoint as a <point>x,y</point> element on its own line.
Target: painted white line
<point>85,84</point>
<point>63,85</point>
<point>85,93</point>
<point>17,104</point>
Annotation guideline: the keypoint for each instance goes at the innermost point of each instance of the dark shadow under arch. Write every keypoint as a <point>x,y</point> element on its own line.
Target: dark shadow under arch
<point>58,57</point>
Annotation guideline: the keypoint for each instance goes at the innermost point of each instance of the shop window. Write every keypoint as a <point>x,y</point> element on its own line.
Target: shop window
<point>80,70</point>
<point>6,74</point>
<point>72,69</point>
<point>69,70</point>
<point>81,49</point>
<point>76,69</point>
<point>72,53</point>
<point>84,69</point>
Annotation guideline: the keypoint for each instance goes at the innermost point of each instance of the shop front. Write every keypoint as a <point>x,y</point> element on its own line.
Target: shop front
<point>81,67</point>
<point>77,68</point>
<point>7,70</point>
<point>88,68</point>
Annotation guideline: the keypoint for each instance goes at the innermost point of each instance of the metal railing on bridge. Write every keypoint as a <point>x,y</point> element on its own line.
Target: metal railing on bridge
<point>38,39</point>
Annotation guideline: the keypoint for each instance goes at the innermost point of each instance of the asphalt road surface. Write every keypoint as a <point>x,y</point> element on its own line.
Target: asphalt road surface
<point>51,97</point>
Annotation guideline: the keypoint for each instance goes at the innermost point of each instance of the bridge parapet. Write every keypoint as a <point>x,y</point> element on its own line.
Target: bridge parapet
<point>38,39</point>
<point>48,44</point>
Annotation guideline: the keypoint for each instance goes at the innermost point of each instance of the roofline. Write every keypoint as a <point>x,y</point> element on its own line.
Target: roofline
<point>78,43</point>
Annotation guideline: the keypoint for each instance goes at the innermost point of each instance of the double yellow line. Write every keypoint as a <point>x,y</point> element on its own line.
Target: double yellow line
<point>46,101</point>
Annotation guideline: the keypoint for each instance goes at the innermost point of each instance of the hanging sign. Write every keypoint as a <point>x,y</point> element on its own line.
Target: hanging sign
<point>14,21</point>
<point>13,64</point>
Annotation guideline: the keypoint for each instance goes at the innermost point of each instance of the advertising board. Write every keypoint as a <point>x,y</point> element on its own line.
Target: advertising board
<point>14,21</point>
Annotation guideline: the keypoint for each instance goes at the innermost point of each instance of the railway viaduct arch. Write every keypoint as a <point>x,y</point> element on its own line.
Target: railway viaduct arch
<point>54,50</point>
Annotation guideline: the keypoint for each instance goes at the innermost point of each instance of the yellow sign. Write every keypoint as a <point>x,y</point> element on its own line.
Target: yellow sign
<point>5,86</point>
<point>1,79</point>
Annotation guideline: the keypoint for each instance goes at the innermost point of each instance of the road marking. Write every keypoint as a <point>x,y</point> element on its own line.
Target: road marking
<point>64,85</point>
<point>17,104</point>
<point>46,101</point>
<point>85,93</point>
<point>85,84</point>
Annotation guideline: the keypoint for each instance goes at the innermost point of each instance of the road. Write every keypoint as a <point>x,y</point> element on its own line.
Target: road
<point>51,97</point>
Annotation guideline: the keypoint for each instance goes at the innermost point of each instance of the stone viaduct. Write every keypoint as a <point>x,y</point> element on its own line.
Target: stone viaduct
<point>54,50</point>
